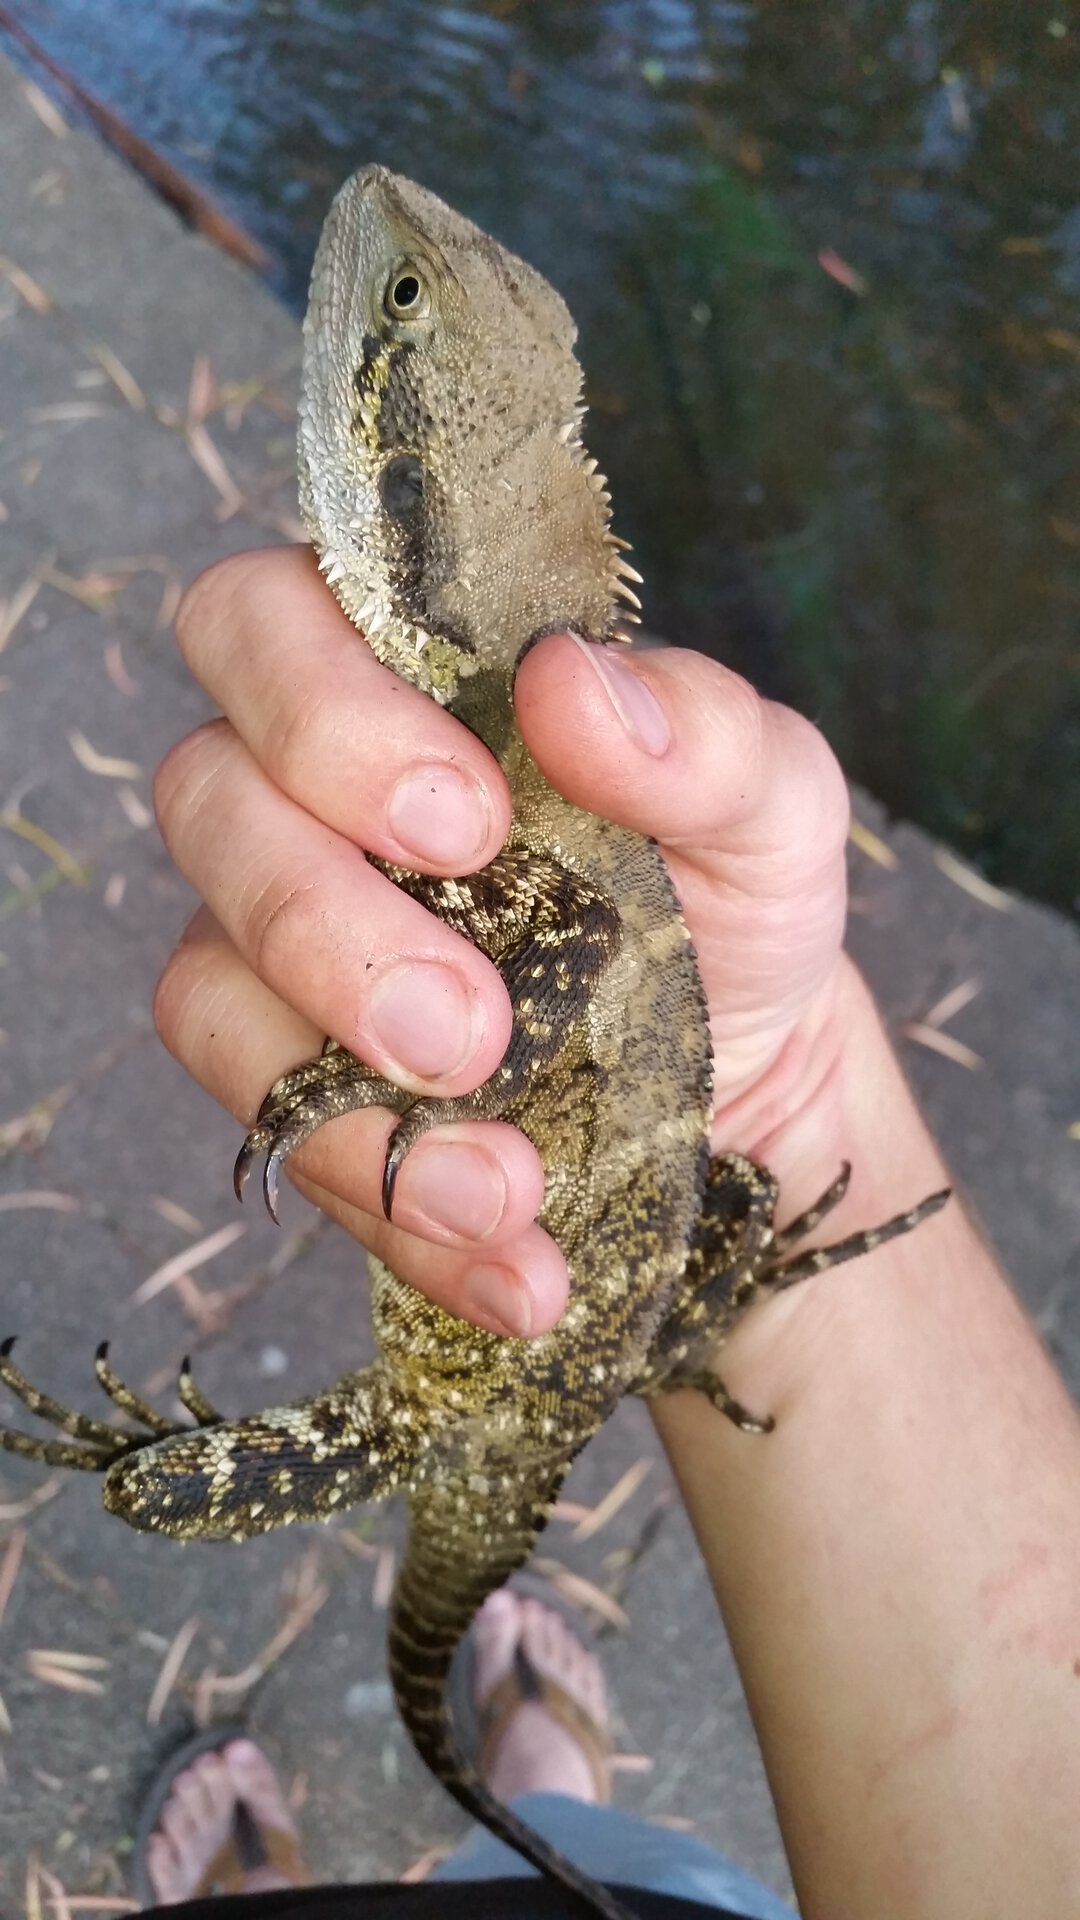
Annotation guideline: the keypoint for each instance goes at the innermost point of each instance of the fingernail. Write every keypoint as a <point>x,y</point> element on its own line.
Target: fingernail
<point>458,1187</point>
<point>426,1020</point>
<point>503,1298</point>
<point>635,703</point>
<point>439,814</point>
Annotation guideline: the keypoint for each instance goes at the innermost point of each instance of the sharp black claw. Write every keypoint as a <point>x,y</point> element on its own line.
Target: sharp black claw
<point>241,1169</point>
<point>270,1185</point>
<point>391,1170</point>
<point>7,1345</point>
<point>102,1353</point>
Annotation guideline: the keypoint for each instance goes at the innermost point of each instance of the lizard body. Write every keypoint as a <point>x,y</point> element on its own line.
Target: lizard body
<point>458,517</point>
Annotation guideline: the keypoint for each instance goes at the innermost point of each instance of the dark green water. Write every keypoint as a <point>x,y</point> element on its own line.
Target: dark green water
<point>867,500</point>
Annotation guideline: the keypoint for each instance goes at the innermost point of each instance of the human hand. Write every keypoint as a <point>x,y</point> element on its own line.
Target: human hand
<point>322,752</point>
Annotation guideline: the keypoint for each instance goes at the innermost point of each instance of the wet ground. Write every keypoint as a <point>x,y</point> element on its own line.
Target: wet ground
<point>146,421</point>
<point>829,288</point>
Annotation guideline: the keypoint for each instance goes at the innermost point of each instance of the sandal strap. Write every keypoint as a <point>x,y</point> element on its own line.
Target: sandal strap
<point>524,1682</point>
<point>250,1845</point>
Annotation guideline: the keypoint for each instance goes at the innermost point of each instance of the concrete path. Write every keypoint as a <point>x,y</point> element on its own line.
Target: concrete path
<point>146,414</point>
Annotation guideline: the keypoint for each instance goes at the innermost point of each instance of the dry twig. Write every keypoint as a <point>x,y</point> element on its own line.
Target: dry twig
<point>169,1671</point>
<point>617,1496</point>
<point>184,1264</point>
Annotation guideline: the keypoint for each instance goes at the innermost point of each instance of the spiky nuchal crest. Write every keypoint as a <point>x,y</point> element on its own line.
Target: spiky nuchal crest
<point>443,479</point>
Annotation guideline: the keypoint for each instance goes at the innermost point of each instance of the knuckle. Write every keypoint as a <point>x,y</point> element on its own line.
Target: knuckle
<point>306,741</point>
<point>283,924</point>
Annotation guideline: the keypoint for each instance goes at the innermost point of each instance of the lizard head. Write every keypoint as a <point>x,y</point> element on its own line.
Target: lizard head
<point>444,484</point>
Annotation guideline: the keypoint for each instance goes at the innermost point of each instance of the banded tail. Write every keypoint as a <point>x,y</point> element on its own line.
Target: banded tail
<point>463,1545</point>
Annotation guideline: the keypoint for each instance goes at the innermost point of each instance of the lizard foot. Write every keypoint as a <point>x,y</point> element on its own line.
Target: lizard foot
<point>94,1445</point>
<point>300,1103</point>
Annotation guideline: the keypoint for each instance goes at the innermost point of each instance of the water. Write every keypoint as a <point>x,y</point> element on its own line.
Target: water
<point>856,481</point>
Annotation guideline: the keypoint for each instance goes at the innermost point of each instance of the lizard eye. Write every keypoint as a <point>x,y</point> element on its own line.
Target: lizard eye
<point>406,296</point>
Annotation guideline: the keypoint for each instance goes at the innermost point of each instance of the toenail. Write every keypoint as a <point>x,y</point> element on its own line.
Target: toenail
<point>244,1752</point>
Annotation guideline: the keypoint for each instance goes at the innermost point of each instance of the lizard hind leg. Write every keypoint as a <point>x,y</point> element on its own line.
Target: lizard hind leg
<point>94,1445</point>
<point>236,1478</point>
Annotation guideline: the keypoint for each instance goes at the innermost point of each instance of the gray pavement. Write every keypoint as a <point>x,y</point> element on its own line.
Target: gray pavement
<point>112,1163</point>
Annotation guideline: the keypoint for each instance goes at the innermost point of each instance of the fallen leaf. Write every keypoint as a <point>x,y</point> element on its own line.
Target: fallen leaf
<point>185,1263</point>
<point>34,295</point>
<point>47,111</point>
<point>66,1681</point>
<point>117,671</point>
<point>15,608</point>
<point>170,1669</point>
<point>943,1043</point>
<point>176,1216</point>
<point>107,765</point>
<point>206,456</point>
<point>9,1566</point>
<point>606,1509</point>
<point>60,411</point>
<point>45,1197</point>
<point>872,845</point>
<point>62,860</point>
<point>382,1585</point>
<point>581,1592</point>
<point>19,1509</point>
<point>952,1003</point>
<point>134,807</point>
<point>841,271</point>
<point>420,1868</point>
<point>123,380</point>
<point>65,1657</point>
<point>971,882</point>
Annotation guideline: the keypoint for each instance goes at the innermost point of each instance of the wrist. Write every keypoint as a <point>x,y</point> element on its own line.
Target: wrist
<point>836,1094</point>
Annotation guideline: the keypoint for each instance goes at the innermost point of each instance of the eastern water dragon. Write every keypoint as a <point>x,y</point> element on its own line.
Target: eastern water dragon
<point>457,518</point>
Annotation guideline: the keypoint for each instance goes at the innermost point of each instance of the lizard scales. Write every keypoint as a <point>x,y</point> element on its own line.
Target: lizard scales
<point>457,517</point>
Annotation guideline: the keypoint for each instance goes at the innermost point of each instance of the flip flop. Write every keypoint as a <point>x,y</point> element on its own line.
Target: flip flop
<point>250,1844</point>
<point>479,1729</point>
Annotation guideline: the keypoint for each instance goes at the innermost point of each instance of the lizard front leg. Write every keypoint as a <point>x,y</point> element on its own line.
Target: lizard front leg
<point>549,932</point>
<point>222,1479</point>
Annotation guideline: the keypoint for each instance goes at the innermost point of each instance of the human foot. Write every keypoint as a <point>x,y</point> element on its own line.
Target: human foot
<point>541,1700</point>
<point>196,1849</point>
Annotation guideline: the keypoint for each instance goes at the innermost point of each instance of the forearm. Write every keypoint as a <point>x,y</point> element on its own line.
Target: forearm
<point>899,1562</point>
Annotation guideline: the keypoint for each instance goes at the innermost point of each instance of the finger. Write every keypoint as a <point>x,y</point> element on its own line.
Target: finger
<point>747,801</point>
<point>474,1188</point>
<point>678,747</point>
<point>331,936</point>
<point>349,741</point>
<point>519,1288</point>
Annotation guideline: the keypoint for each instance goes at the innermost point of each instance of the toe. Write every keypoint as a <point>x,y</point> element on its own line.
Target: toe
<point>496,1632</point>
<point>253,1780</point>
